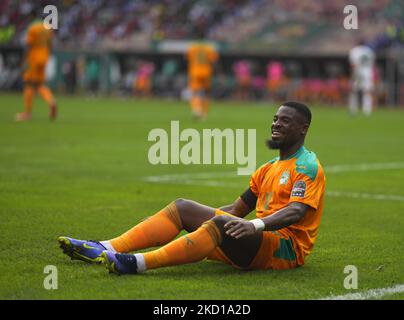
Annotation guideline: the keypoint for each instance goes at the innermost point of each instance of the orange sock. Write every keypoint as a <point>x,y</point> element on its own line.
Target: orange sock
<point>190,248</point>
<point>205,106</point>
<point>28,97</point>
<point>196,105</point>
<point>46,94</point>
<point>156,230</point>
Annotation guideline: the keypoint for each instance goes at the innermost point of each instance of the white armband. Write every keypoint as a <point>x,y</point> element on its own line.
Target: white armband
<point>258,224</point>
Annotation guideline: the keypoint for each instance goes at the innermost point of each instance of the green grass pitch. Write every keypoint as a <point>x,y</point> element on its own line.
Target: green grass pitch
<point>85,176</point>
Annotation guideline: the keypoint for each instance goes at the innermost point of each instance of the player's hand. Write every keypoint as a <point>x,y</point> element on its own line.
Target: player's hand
<point>239,228</point>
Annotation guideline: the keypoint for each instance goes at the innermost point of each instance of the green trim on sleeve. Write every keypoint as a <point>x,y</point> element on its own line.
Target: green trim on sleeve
<point>307,164</point>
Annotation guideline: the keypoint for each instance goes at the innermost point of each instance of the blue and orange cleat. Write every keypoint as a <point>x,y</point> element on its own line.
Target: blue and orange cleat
<point>88,251</point>
<point>119,263</point>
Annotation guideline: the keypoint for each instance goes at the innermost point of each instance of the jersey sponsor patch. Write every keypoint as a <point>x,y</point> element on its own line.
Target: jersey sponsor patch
<point>299,189</point>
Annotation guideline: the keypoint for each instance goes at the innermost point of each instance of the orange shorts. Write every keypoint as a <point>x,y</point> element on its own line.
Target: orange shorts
<point>35,71</point>
<point>276,252</point>
<point>199,83</point>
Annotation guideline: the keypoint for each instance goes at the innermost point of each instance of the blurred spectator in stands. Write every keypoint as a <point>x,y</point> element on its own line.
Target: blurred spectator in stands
<point>69,76</point>
<point>92,75</point>
<point>242,73</point>
<point>1,63</point>
<point>402,94</point>
<point>379,93</point>
<point>275,79</point>
<point>10,75</point>
<point>392,37</point>
<point>362,59</point>
<point>96,22</point>
<point>115,75</point>
<point>7,31</point>
<point>143,80</point>
<point>81,73</point>
<point>223,84</point>
<point>258,87</point>
<point>331,93</point>
<point>165,80</point>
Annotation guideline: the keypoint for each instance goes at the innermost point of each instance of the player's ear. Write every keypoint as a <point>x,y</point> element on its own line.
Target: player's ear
<point>305,128</point>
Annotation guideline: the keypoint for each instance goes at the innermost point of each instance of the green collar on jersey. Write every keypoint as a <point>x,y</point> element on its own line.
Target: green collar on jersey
<point>298,153</point>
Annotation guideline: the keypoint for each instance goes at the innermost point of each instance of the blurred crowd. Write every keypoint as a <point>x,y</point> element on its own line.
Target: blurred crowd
<point>92,22</point>
<point>125,24</point>
<point>247,79</point>
<point>89,23</point>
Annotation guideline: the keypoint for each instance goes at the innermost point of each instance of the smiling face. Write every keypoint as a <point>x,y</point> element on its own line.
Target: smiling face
<point>288,128</point>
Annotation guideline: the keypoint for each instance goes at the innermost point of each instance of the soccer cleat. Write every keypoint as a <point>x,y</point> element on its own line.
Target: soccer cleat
<point>88,251</point>
<point>53,112</point>
<point>119,263</point>
<point>22,116</point>
<point>197,116</point>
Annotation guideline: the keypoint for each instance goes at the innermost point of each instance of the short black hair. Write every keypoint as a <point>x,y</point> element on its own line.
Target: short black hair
<point>299,107</point>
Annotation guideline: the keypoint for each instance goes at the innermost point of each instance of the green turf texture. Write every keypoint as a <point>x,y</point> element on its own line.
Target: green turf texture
<point>83,176</point>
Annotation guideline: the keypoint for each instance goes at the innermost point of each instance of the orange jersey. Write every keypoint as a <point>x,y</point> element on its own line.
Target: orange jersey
<point>300,178</point>
<point>200,60</point>
<point>38,40</point>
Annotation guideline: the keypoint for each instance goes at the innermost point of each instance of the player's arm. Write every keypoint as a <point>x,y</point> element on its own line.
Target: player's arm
<point>243,204</point>
<point>283,218</point>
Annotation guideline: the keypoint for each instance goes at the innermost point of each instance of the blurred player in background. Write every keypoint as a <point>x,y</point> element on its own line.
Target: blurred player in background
<point>38,44</point>
<point>362,59</point>
<point>201,58</point>
<point>143,80</point>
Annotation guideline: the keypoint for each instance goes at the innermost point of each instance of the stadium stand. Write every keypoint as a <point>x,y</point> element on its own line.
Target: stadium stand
<point>296,33</point>
<point>261,24</point>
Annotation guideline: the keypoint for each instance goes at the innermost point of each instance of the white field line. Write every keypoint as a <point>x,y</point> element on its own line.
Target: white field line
<point>188,175</point>
<point>339,194</point>
<point>359,195</point>
<point>369,294</point>
<point>232,174</point>
<point>364,167</point>
<point>209,183</point>
<point>205,179</point>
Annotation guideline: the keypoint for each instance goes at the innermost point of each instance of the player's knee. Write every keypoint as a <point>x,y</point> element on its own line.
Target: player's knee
<point>220,221</point>
<point>182,205</point>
